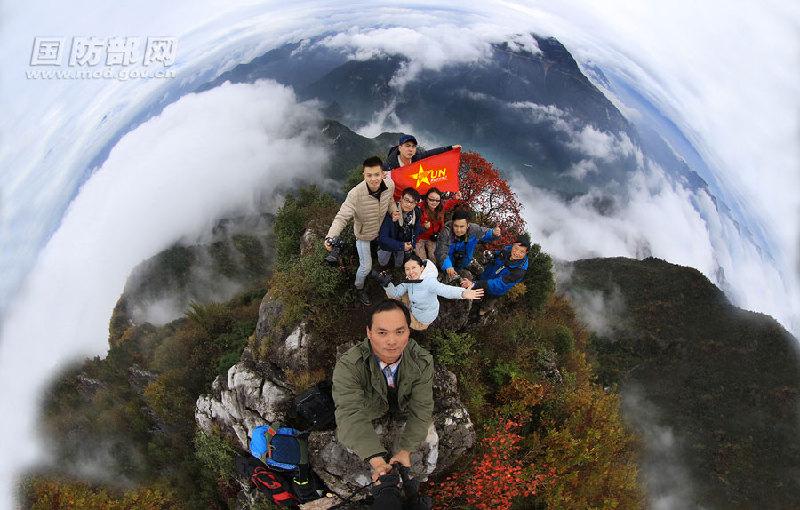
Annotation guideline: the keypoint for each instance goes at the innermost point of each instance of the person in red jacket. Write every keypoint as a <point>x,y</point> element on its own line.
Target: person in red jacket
<point>433,207</point>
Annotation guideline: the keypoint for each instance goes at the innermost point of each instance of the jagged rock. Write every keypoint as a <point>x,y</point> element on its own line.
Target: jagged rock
<point>139,378</point>
<point>251,396</point>
<point>450,435</point>
<point>453,315</point>
<point>311,237</point>
<point>292,354</point>
<point>548,366</point>
<point>268,327</point>
<point>87,386</point>
<point>255,393</point>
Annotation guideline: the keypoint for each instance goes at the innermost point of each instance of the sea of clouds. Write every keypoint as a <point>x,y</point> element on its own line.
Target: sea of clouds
<point>71,232</point>
<point>206,156</point>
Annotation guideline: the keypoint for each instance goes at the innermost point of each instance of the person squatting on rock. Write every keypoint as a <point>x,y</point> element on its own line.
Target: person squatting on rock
<point>405,153</point>
<point>433,207</point>
<point>386,373</point>
<point>399,236</point>
<point>421,289</point>
<point>505,270</point>
<point>455,248</point>
<point>366,204</point>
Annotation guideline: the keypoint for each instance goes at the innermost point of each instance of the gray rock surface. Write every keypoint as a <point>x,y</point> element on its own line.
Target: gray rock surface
<point>250,396</point>
<point>256,392</point>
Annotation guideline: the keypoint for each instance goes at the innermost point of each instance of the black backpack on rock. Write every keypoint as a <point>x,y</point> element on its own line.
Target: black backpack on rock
<point>316,407</point>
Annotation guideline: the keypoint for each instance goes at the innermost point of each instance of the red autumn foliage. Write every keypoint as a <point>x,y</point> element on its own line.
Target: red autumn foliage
<point>495,478</point>
<point>489,196</point>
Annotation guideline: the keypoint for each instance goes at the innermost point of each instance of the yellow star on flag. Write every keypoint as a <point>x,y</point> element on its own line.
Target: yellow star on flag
<point>421,176</point>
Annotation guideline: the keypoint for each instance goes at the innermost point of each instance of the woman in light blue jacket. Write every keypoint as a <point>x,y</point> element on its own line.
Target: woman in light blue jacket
<point>421,289</point>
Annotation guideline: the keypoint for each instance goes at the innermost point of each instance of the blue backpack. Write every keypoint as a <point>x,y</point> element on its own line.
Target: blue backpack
<point>280,448</point>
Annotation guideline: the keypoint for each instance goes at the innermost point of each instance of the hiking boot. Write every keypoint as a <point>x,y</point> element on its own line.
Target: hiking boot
<point>363,297</point>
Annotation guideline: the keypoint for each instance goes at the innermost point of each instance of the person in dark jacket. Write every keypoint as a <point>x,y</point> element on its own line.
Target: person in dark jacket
<point>405,153</point>
<point>506,269</point>
<point>399,236</point>
<point>455,248</point>
<point>387,373</point>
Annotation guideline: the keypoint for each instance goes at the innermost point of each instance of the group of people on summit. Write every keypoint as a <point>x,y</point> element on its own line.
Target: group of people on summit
<point>414,234</point>
<point>389,372</point>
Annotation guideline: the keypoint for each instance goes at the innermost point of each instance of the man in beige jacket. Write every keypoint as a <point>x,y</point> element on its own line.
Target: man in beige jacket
<point>366,204</point>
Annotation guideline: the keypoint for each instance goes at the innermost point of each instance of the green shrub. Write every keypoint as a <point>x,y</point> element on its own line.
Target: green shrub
<point>227,361</point>
<point>504,371</point>
<point>306,284</point>
<point>354,177</point>
<point>452,349</point>
<point>299,208</point>
<point>213,318</point>
<point>253,252</point>
<point>471,389</point>
<point>563,341</point>
<point>215,454</point>
<point>539,282</point>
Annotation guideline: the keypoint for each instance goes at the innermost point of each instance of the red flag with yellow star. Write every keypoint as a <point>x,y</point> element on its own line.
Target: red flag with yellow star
<point>439,171</point>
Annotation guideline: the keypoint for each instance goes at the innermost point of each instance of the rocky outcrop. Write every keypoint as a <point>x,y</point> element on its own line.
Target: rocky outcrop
<point>450,435</point>
<point>255,393</point>
<point>251,395</point>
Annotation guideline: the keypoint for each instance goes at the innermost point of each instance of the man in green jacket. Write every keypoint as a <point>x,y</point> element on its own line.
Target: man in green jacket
<point>387,373</point>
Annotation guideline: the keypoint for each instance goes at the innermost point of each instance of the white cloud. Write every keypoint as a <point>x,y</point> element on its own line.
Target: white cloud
<point>586,139</point>
<point>385,119</point>
<point>603,313</point>
<point>602,145</point>
<point>545,113</point>
<point>734,97</point>
<point>669,483</point>
<point>655,217</point>
<point>428,47</point>
<point>582,168</point>
<point>206,156</point>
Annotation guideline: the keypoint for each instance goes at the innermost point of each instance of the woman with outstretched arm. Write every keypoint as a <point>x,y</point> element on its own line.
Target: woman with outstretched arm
<point>421,291</point>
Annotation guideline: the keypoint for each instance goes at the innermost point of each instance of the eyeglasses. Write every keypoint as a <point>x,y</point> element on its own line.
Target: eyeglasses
<point>434,200</point>
<point>409,200</point>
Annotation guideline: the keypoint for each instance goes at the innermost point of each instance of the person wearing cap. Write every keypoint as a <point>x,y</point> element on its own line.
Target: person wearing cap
<point>506,269</point>
<point>405,152</point>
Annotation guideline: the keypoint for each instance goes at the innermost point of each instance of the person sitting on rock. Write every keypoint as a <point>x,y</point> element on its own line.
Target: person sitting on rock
<point>387,373</point>
<point>399,236</point>
<point>433,207</point>
<point>366,204</point>
<point>421,289</point>
<point>405,153</point>
<point>455,248</point>
<point>505,270</point>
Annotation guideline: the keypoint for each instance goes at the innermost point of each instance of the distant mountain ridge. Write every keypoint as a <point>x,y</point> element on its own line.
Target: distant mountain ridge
<point>724,381</point>
<point>520,109</point>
